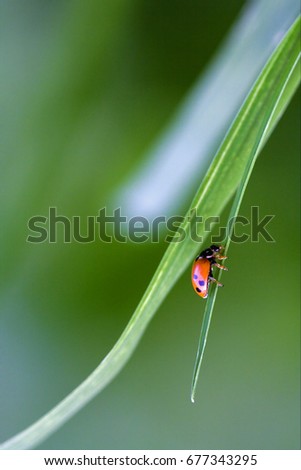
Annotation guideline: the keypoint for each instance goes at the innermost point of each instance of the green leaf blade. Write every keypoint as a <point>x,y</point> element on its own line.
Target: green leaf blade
<point>274,117</point>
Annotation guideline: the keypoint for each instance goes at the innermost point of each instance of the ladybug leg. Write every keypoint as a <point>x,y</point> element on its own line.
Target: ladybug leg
<point>220,257</point>
<point>219,266</point>
<point>217,282</point>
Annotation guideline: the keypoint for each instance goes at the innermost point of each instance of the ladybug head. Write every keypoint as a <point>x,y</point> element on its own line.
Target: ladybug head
<point>215,248</point>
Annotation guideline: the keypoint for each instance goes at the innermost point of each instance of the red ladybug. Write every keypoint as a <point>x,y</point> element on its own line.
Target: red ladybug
<point>201,275</point>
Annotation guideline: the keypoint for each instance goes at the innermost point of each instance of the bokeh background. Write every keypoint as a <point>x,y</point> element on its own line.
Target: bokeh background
<point>83,98</point>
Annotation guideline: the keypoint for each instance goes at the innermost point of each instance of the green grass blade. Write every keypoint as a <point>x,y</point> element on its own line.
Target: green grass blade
<point>246,136</point>
<point>274,117</point>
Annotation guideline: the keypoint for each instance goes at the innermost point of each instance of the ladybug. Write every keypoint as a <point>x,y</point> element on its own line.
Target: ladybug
<point>201,274</point>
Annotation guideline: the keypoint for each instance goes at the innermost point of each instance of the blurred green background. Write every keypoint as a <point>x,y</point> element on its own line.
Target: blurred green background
<point>82,99</point>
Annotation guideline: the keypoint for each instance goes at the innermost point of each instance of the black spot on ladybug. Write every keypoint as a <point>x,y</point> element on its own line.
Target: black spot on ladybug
<point>198,290</point>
